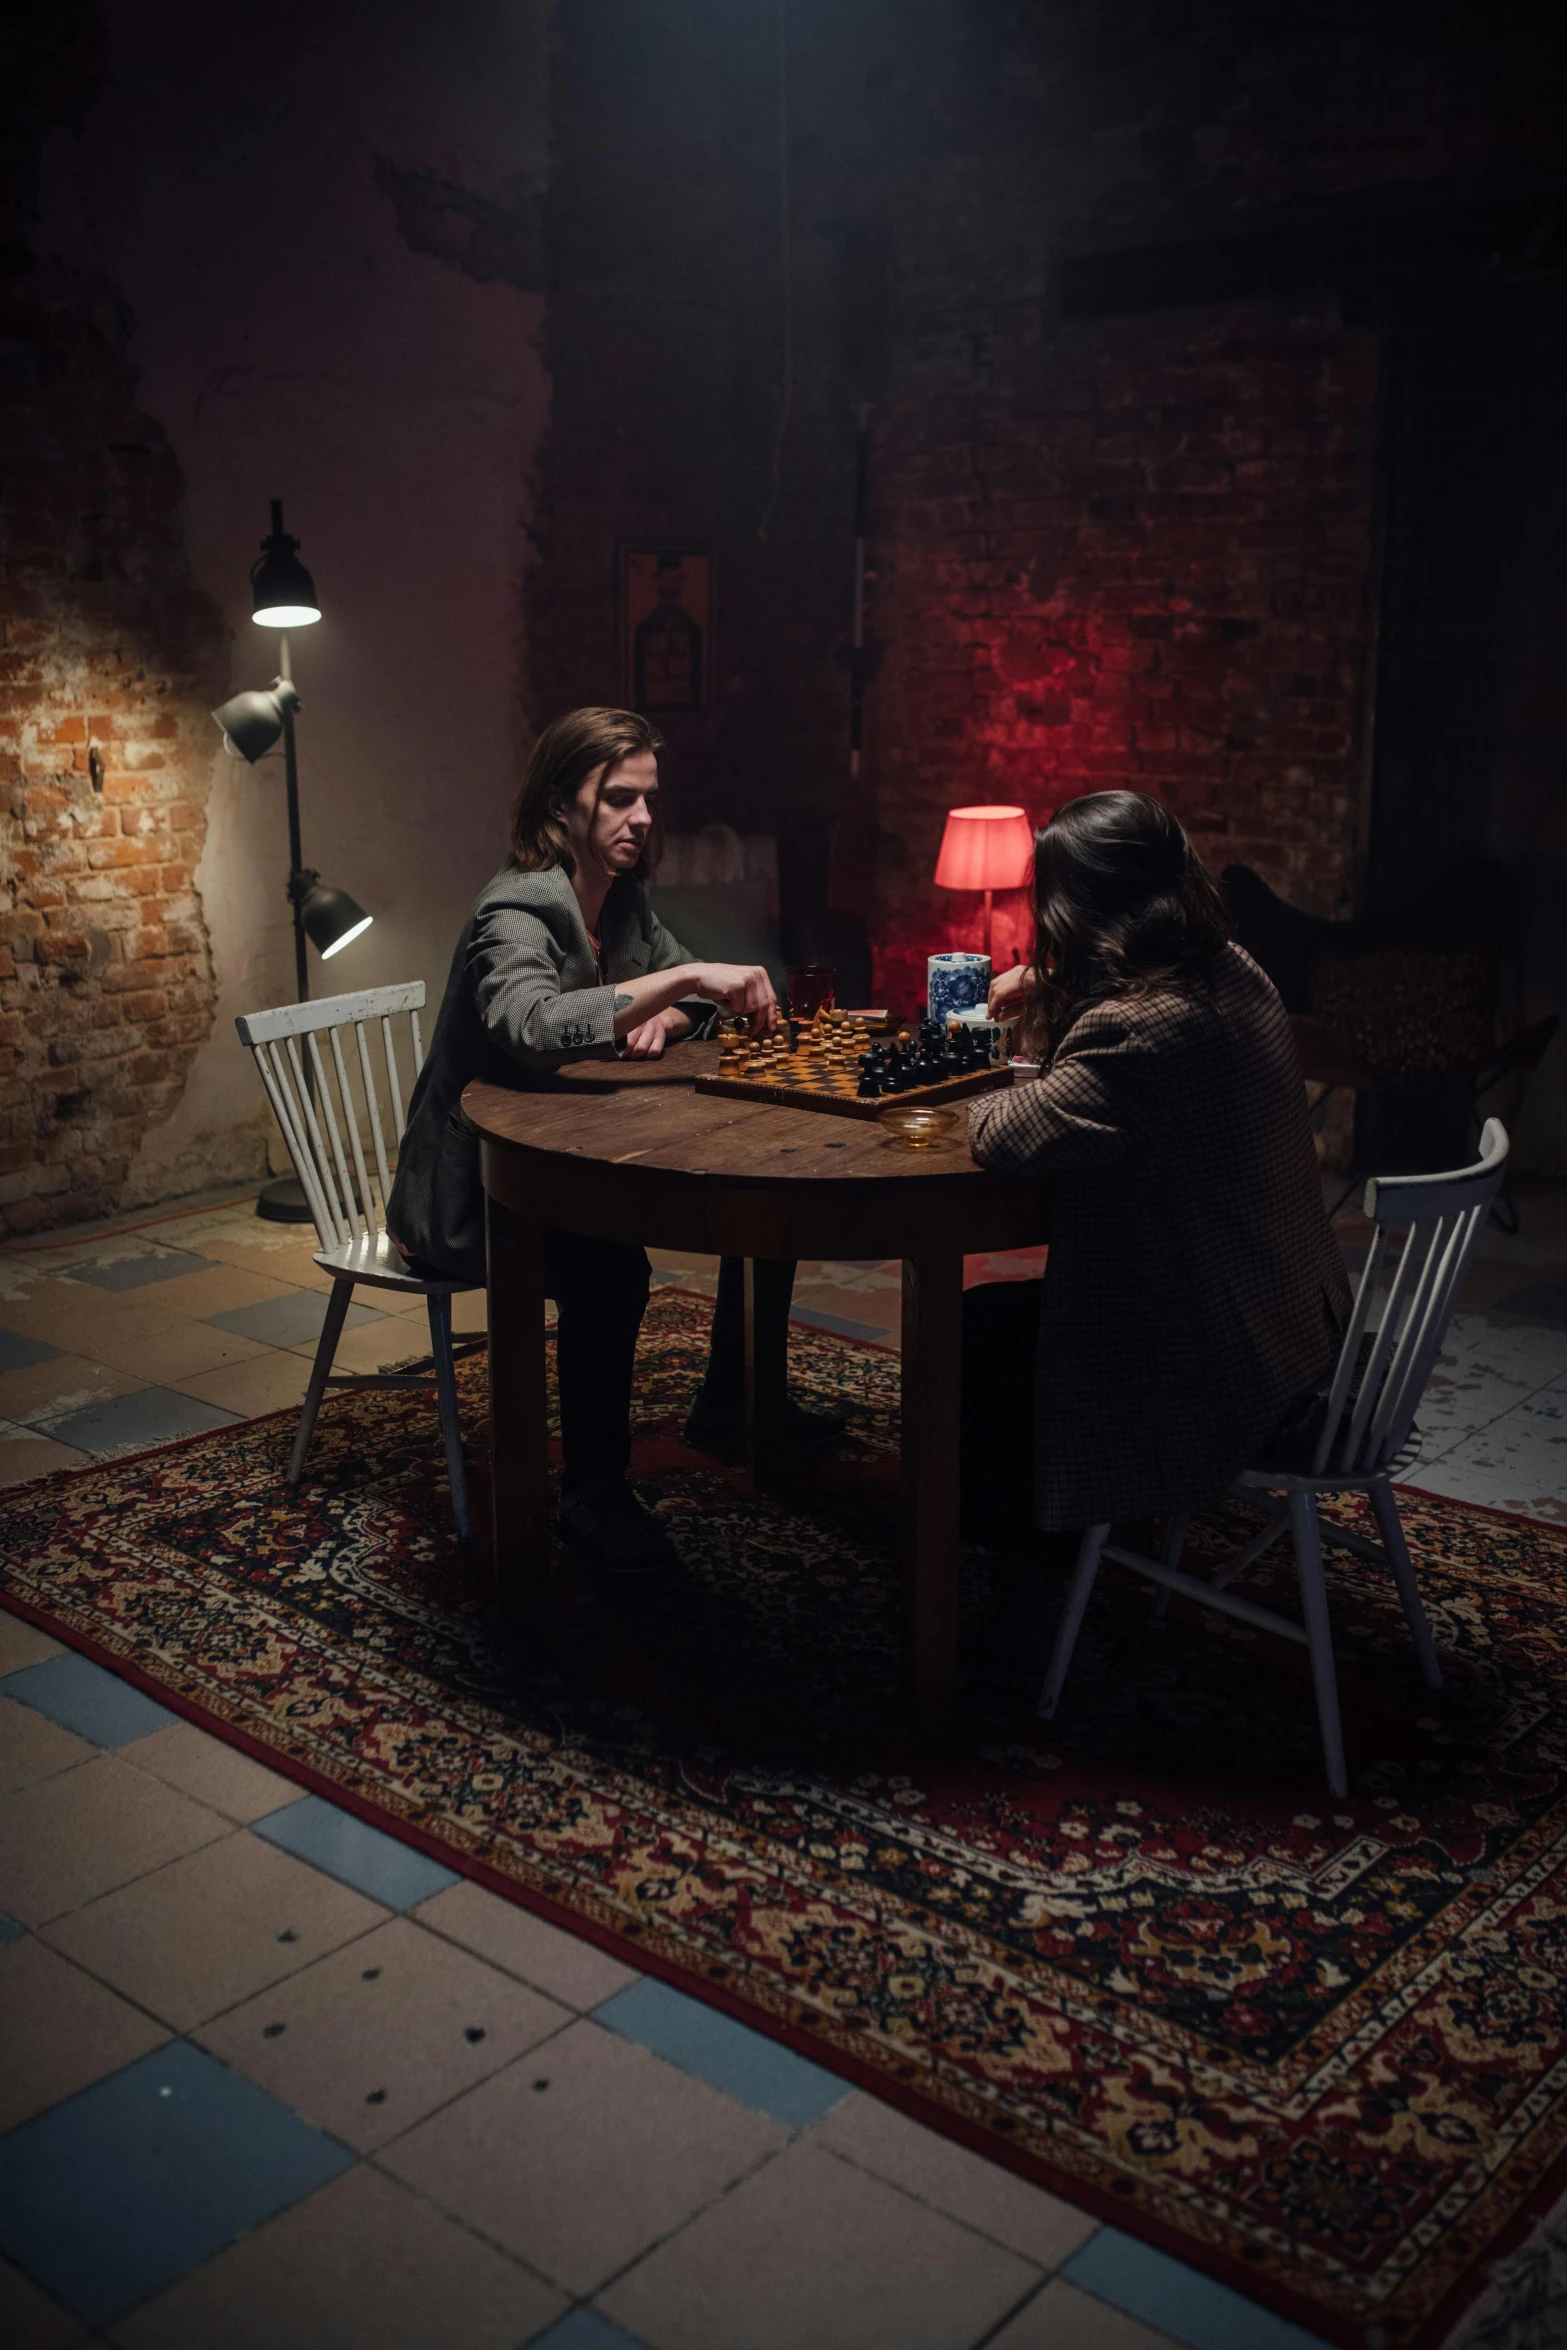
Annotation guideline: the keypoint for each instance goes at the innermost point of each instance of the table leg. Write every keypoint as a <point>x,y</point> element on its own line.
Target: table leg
<point>932,1403</point>
<point>768,1285</point>
<point>519,1428</point>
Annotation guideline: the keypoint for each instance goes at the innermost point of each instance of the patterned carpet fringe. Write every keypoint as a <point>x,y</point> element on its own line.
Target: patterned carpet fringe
<point>1138,1955</point>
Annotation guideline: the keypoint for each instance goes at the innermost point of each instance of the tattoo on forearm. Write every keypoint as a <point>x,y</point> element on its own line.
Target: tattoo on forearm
<point>622,1003</point>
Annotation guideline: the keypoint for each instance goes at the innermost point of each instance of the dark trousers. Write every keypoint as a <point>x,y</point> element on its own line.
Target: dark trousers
<point>1000,1348</point>
<point>600,1288</point>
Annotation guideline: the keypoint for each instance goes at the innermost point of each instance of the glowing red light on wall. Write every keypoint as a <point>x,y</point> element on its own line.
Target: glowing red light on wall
<point>985,849</point>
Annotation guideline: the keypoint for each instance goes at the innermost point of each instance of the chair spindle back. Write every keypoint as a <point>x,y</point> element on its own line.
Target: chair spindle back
<point>314,1101</point>
<point>1369,1418</point>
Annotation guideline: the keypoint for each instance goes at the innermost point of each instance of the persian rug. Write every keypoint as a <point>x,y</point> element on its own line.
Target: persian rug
<point>1138,1955</point>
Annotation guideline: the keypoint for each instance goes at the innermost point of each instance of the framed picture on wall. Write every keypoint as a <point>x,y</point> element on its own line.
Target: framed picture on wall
<point>666,604</point>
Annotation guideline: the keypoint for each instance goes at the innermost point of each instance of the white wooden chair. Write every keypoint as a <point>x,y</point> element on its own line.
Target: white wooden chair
<point>1360,1436</point>
<point>322,1119</point>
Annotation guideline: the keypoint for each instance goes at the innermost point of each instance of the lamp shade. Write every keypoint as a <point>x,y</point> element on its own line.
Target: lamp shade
<point>985,848</point>
<point>332,920</point>
<point>251,723</point>
<point>282,592</point>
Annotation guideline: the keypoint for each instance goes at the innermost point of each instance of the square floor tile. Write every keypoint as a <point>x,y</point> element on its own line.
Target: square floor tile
<point>126,2187</point>
<point>575,1972</point>
<point>66,1383</point>
<point>373,2038</point>
<point>216,1927</point>
<point>63,1312</point>
<point>1026,2219</point>
<point>81,1833</point>
<point>214,1772</point>
<point>84,1697</point>
<point>746,2065</point>
<point>268,1248</point>
<point>32,1747</point>
<point>21,1643</point>
<point>1179,2301</point>
<point>1518,1463</point>
<point>387,1344</point>
<point>1062,2318</point>
<point>580,2157</point>
<point>139,1267</point>
<point>157,1348</point>
<point>29,2320</point>
<point>809,2249</point>
<point>287,1321</point>
<point>360,2265</point>
<point>19,1354</point>
<point>129,1423</point>
<point>59,2031</point>
<point>24,1454</point>
<point>390,1872</point>
<point>272,1382</point>
<point>585,2329</point>
<point>211,1288</point>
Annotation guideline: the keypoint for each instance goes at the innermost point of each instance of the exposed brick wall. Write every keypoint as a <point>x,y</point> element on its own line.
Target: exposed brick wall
<point>110,660</point>
<point>1123,550</point>
<point>1128,554</point>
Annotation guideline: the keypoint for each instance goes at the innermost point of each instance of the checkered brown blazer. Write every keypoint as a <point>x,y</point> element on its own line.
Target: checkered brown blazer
<point>1194,1289</point>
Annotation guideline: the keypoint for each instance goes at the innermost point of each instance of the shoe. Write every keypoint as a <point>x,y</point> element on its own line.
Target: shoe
<point>723,1433</point>
<point>604,1518</point>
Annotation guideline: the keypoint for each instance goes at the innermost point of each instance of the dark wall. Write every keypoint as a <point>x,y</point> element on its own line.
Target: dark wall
<point>1116,280</point>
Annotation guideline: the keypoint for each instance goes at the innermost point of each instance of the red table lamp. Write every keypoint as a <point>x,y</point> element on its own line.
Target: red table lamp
<point>988,849</point>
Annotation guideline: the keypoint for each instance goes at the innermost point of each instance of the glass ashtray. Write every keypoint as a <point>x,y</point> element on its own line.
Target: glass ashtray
<point>910,1127</point>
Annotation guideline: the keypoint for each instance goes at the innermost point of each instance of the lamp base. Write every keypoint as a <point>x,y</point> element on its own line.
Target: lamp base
<point>284,1202</point>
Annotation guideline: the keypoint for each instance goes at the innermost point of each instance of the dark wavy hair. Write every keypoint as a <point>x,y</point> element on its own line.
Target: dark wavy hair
<point>565,755</point>
<point>1123,907</point>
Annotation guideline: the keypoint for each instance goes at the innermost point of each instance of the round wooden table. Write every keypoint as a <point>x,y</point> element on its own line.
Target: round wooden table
<point>628,1150</point>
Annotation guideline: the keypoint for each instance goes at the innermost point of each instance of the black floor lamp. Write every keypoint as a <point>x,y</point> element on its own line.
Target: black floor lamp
<point>283,596</point>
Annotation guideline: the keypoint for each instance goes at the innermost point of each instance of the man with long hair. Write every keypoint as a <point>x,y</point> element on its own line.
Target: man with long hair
<point>563,956</point>
<point>1194,1292</point>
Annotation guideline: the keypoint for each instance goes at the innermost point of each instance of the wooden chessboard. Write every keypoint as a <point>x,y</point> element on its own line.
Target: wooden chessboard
<point>801,1081</point>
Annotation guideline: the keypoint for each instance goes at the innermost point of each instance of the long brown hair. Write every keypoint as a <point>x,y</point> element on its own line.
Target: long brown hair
<point>565,755</point>
<point>1123,907</point>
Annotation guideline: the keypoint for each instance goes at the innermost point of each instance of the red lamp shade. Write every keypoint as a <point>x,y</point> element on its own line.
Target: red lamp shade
<point>985,848</point>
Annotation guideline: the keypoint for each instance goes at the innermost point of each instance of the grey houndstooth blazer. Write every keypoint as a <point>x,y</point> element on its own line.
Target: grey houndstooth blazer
<point>524,995</point>
<point>1194,1289</point>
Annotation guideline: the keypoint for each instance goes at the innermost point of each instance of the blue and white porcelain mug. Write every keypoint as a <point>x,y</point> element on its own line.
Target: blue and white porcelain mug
<point>955,983</point>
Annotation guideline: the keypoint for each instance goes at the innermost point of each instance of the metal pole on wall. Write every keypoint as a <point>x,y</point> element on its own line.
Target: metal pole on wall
<point>298,881</point>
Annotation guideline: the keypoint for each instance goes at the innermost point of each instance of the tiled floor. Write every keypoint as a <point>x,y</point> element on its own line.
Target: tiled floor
<point>268,2075</point>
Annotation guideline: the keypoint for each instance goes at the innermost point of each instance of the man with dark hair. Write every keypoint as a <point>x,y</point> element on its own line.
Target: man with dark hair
<point>563,956</point>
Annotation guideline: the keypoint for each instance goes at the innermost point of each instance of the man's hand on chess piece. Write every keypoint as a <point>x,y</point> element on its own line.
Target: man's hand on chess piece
<point>740,987</point>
